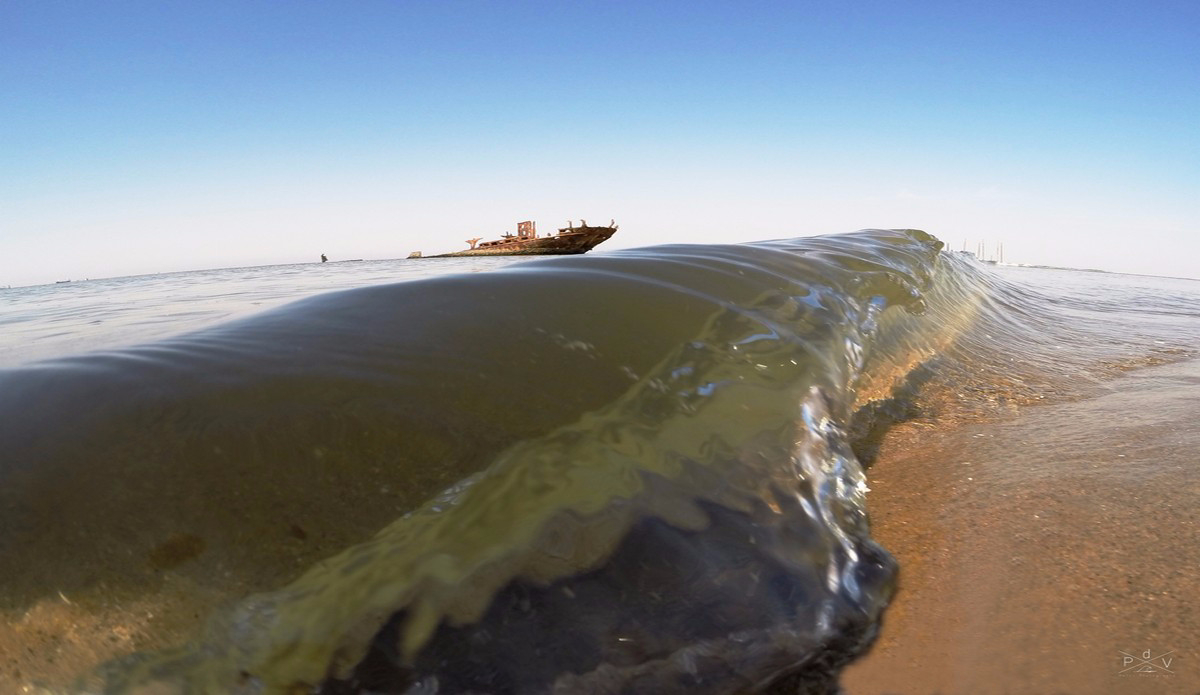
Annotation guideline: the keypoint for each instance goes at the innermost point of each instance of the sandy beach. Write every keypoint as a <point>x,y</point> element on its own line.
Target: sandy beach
<point>1063,558</point>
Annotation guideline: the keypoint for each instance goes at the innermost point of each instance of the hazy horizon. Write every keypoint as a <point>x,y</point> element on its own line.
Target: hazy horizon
<point>166,137</point>
<point>1015,264</point>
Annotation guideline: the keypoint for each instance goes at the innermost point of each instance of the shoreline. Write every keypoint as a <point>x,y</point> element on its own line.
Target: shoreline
<point>1040,553</point>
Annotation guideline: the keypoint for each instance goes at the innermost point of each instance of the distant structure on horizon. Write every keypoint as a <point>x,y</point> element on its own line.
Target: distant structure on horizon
<point>981,252</point>
<point>526,242</point>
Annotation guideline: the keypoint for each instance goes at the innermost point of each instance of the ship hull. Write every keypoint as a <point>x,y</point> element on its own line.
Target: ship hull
<point>575,241</point>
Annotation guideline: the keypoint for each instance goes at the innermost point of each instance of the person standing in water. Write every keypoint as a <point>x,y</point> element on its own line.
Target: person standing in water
<point>323,258</point>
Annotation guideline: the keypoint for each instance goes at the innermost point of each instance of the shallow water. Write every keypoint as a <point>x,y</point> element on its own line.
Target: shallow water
<point>634,469</point>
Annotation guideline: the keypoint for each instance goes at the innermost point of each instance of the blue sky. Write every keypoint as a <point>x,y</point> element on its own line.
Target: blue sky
<point>157,136</point>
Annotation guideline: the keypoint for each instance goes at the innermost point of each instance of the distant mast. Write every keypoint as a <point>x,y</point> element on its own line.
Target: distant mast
<point>981,251</point>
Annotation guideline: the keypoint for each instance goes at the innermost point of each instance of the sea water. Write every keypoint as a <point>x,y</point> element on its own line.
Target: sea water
<point>639,470</point>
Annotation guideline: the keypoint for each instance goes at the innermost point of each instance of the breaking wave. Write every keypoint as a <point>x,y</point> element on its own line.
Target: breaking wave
<point>628,472</point>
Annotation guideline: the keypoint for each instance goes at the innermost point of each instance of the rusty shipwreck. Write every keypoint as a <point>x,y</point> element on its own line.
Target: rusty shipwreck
<point>526,242</point>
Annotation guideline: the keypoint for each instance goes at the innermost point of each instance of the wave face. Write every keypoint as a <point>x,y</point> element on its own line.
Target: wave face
<point>628,472</point>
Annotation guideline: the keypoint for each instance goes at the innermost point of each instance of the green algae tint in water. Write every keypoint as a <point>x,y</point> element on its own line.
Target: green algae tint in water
<point>616,472</point>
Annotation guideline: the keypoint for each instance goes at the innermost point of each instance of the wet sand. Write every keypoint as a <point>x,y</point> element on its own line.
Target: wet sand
<point>1052,552</point>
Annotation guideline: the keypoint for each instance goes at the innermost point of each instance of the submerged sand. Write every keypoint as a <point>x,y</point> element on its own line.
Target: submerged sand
<point>1054,552</point>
